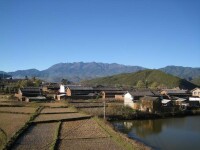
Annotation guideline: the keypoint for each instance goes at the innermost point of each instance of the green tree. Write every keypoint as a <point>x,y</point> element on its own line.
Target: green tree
<point>140,84</point>
<point>154,85</point>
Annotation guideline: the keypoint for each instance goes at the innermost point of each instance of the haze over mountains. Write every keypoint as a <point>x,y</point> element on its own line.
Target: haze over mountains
<point>78,71</point>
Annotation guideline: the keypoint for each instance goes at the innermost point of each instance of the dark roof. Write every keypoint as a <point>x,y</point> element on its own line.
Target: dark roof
<point>107,89</point>
<point>150,98</point>
<point>31,91</point>
<point>172,91</point>
<point>79,88</point>
<point>114,92</point>
<point>142,93</point>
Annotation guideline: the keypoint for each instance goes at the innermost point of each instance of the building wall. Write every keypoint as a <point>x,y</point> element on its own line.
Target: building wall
<point>150,105</point>
<point>119,97</point>
<point>69,93</point>
<point>196,92</point>
<point>128,100</point>
<point>62,89</point>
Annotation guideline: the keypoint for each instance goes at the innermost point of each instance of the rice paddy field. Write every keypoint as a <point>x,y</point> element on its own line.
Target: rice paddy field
<point>89,144</point>
<point>18,109</point>
<point>38,136</point>
<point>86,134</point>
<point>53,125</point>
<point>10,124</point>
<point>86,128</point>
<point>57,110</point>
<point>59,117</point>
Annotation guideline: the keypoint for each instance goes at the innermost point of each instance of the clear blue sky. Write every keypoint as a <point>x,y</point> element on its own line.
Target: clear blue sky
<point>148,33</point>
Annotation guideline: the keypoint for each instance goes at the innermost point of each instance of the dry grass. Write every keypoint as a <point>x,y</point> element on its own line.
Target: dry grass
<point>58,117</point>
<point>11,123</point>
<point>58,110</point>
<point>38,136</point>
<point>96,111</point>
<point>18,109</point>
<point>89,144</point>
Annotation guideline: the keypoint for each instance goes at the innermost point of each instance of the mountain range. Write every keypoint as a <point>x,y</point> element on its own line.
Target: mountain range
<point>141,79</point>
<point>78,71</point>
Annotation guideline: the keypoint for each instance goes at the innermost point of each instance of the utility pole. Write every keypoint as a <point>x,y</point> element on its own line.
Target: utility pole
<point>104,110</point>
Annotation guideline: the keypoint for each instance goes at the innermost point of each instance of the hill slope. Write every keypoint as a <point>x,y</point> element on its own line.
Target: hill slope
<point>150,78</point>
<point>187,73</point>
<point>196,81</point>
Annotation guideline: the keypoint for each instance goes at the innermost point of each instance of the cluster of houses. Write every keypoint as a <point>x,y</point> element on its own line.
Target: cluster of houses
<point>140,99</point>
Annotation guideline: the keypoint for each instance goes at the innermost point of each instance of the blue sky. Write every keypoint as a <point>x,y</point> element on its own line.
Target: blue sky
<point>148,33</point>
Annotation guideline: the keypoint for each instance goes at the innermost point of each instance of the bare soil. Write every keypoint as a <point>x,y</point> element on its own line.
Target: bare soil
<point>38,136</point>
<point>85,134</point>
<point>57,110</point>
<point>58,117</point>
<point>11,123</point>
<point>18,109</point>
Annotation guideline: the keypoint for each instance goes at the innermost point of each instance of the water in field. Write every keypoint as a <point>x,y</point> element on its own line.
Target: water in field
<point>164,134</point>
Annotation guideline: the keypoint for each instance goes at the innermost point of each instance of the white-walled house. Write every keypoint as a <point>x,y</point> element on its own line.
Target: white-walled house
<point>62,89</point>
<point>196,92</point>
<point>128,100</point>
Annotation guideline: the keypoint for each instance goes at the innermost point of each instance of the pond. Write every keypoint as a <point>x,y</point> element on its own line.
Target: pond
<point>164,134</point>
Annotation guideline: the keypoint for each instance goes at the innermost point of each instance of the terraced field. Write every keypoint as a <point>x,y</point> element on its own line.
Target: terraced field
<point>38,136</point>
<point>11,123</point>
<point>86,134</point>
<point>89,144</point>
<point>59,117</point>
<point>87,128</point>
<point>18,109</point>
<point>57,110</point>
<point>43,130</point>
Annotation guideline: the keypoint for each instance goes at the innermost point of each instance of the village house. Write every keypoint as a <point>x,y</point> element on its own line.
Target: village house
<point>132,98</point>
<point>117,95</point>
<point>50,88</point>
<point>170,93</point>
<point>166,103</point>
<point>196,92</point>
<point>150,104</point>
<point>110,92</point>
<point>30,93</point>
<point>76,92</point>
<point>180,101</point>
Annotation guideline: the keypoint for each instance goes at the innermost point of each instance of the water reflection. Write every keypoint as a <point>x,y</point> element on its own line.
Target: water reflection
<point>173,133</point>
<point>144,128</point>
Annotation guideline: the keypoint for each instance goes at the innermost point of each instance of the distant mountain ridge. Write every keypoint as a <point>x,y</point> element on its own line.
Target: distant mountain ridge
<point>187,73</point>
<point>78,71</point>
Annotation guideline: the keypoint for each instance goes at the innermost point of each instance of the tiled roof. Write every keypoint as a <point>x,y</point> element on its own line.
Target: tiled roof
<point>79,88</point>
<point>142,93</point>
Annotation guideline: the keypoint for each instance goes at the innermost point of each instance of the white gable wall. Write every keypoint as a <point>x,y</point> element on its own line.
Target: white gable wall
<point>128,100</point>
<point>62,89</point>
<point>196,92</point>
